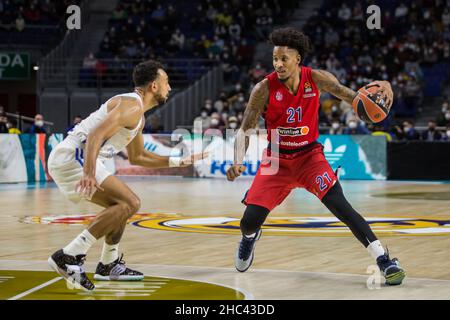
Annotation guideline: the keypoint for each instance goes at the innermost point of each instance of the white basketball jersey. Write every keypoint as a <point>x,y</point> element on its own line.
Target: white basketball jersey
<point>114,144</point>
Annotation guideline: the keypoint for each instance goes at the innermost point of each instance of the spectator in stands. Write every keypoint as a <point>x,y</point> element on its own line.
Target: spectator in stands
<point>344,12</point>
<point>38,126</point>
<point>218,104</point>
<point>257,73</point>
<point>355,128</point>
<point>409,131</point>
<point>76,120</point>
<point>209,107</point>
<point>444,116</point>
<point>3,122</point>
<point>89,62</point>
<point>232,123</point>
<point>380,131</point>
<point>12,127</point>
<point>20,23</point>
<point>431,134</point>
<point>202,122</point>
<point>336,127</point>
<point>177,40</point>
<point>447,134</point>
<point>216,121</point>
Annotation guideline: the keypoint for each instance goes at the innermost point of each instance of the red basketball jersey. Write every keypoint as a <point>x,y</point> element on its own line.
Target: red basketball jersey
<point>294,117</point>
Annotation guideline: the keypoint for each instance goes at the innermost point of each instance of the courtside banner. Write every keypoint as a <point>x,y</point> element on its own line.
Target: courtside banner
<point>361,157</point>
<point>12,161</point>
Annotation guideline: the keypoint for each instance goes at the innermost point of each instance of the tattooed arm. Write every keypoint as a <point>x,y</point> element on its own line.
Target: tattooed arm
<point>255,106</point>
<point>326,81</point>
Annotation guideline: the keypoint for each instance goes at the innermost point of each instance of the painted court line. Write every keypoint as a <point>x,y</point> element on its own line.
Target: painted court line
<point>39,287</point>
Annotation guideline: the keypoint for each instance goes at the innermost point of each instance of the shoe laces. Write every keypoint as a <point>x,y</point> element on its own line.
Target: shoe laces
<point>245,247</point>
<point>119,266</point>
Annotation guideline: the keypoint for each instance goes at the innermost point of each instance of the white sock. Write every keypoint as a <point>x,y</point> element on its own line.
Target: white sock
<point>375,249</point>
<point>110,253</point>
<point>81,244</point>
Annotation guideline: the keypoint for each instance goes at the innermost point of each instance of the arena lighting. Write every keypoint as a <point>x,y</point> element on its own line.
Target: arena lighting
<point>36,68</point>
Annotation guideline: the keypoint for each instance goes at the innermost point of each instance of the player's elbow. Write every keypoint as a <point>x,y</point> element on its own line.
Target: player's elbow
<point>134,160</point>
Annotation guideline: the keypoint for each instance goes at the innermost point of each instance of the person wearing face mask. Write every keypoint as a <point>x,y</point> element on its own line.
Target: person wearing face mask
<point>447,134</point>
<point>209,107</point>
<point>336,127</point>
<point>3,123</point>
<point>355,128</point>
<point>38,126</point>
<point>232,122</point>
<point>202,122</point>
<point>216,121</point>
<point>431,134</point>
<point>409,132</point>
<point>444,117</point>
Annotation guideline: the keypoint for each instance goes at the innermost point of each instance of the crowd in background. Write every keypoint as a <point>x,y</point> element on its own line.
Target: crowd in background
<point>16,15</point>
<point>411,51</point>
<point>222,31</point>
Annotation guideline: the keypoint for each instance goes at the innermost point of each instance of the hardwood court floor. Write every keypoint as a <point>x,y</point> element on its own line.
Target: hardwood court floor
<point>294,260</point>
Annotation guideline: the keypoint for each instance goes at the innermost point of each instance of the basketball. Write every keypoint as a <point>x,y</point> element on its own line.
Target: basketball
<point>369,106</point>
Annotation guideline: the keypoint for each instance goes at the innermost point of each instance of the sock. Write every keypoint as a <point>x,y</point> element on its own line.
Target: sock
<point>81,244</point>
<point>250,236</point>
<point>110,253</point>
<point>375,249</point>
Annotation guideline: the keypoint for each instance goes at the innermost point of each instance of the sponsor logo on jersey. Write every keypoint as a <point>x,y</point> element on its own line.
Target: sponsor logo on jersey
<point>293,144</point>
<point>307,87</point>
<point>279,96</point>
<point>292,132</point>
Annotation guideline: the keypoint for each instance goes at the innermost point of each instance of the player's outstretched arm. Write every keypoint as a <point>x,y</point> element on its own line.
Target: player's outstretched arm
<point>255,106</point>
<point>137,155</point>
<point>326,81</point>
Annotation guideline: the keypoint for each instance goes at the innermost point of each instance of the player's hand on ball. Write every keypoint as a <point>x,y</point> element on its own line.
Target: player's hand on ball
<point>193,158</point>
<point>384,90</point>
<point>87,186</point>
<point>235,171</point>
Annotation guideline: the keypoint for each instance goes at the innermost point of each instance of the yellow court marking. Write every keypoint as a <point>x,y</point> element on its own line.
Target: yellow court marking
<point>303,225</point>
<point>291,225</point>
<point>43,285</point>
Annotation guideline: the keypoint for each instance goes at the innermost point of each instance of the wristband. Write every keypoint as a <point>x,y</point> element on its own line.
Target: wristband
<point>174,161</point>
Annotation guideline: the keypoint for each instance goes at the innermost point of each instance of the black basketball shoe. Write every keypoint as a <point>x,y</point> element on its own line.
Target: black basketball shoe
<point>71,269</point>
<point>391,269</point>
<point>116,270</point>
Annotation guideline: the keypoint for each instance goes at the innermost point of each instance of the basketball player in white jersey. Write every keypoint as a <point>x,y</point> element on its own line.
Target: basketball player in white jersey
<point>77,167</point>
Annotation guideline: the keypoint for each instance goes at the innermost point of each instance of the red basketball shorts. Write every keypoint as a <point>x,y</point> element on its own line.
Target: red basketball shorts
<point>306,169</point>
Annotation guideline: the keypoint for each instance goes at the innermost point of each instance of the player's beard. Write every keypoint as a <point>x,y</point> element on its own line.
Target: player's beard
<point>160,98</point>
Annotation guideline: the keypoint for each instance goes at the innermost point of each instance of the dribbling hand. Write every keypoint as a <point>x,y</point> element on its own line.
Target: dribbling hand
<point>235,171</point>
<point>385,90</point>
<point>87,186</point>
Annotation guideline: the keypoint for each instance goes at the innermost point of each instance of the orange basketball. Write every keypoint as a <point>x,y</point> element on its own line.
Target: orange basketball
<point>369,106</point>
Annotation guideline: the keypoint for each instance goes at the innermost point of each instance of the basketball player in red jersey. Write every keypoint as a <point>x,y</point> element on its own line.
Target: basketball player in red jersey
<point>288,100</point>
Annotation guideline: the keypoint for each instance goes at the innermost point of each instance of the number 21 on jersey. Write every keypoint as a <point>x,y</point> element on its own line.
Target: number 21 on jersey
<point>293,114</point>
